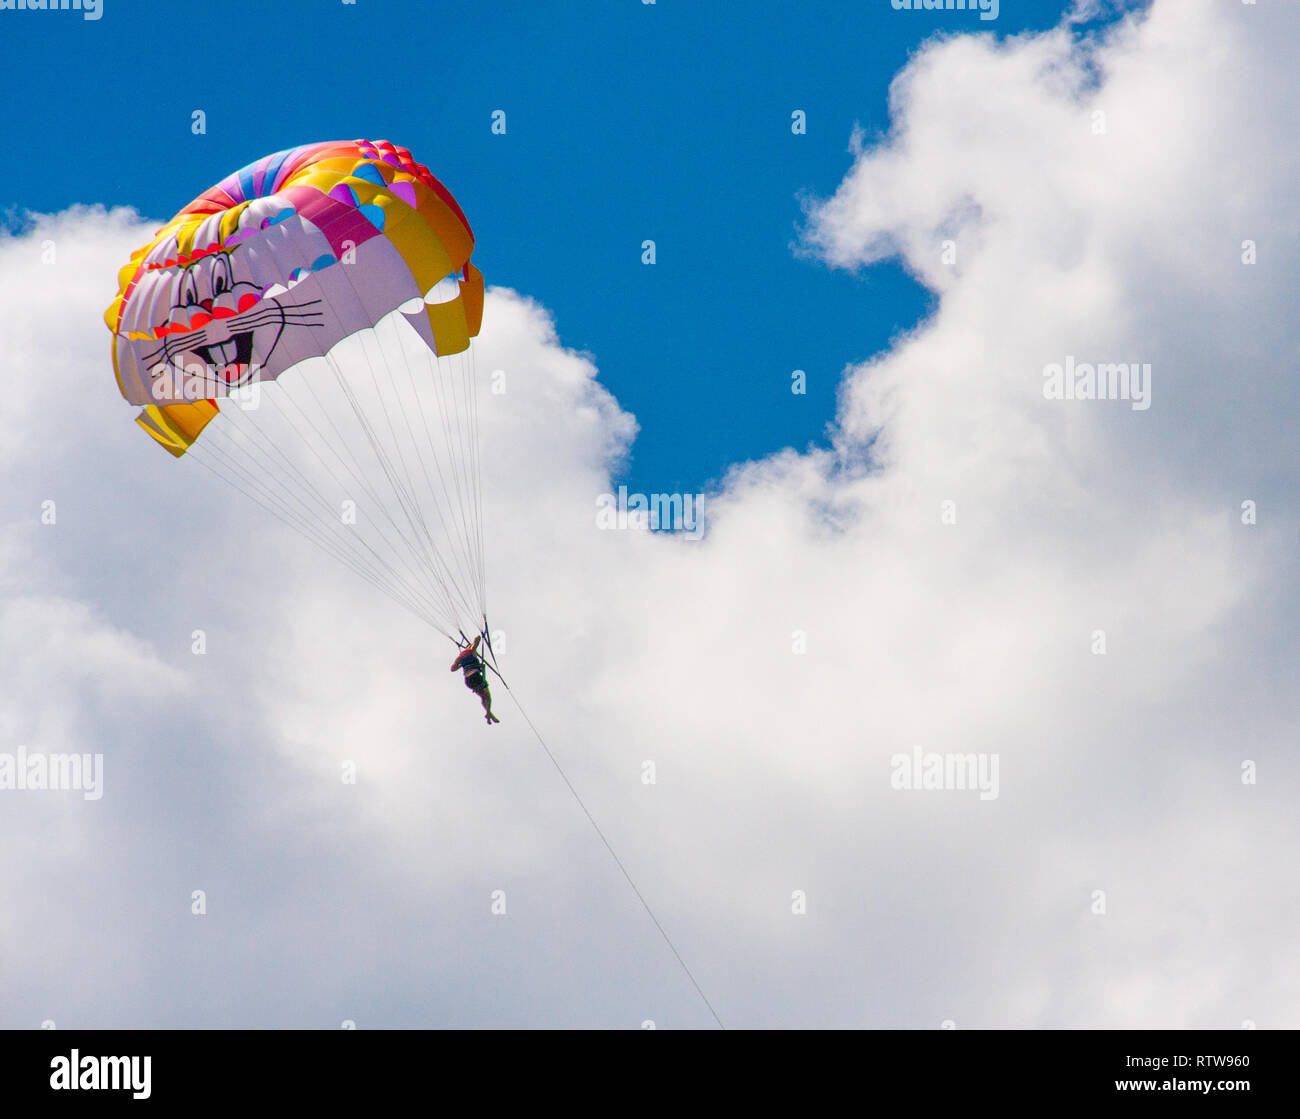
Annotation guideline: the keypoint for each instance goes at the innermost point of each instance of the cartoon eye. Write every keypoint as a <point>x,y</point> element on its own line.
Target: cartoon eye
<point>221,279</point>
<point>189,289</point>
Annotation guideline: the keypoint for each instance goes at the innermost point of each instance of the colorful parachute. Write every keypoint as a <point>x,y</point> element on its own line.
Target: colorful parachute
<point>302,330</point>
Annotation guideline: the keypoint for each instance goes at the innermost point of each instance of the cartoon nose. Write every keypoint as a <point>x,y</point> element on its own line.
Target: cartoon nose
<point>206,304</point>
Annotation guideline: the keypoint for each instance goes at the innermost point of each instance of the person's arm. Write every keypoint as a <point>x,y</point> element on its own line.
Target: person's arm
<point>468,651</point>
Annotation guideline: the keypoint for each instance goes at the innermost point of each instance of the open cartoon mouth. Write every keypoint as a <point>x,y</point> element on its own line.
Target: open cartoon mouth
<point>228,360</point>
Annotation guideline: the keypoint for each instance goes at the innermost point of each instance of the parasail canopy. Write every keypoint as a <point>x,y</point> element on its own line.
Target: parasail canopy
<point>302,330</point>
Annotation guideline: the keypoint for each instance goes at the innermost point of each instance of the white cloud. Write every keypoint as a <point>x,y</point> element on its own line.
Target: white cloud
<point>1118,772</point>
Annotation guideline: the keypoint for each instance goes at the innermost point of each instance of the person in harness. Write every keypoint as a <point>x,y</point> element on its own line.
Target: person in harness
<point>468,661</point>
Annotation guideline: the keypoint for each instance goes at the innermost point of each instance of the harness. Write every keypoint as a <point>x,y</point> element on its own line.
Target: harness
<point>481,665</point>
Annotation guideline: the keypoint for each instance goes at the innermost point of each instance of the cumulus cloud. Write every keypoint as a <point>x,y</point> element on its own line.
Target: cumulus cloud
<point>942,576</point>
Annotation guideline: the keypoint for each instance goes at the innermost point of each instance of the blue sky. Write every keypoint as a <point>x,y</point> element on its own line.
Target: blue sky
<point>625,122</point>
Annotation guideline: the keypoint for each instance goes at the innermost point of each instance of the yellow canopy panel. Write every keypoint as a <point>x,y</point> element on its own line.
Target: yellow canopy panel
<point>176,426</point>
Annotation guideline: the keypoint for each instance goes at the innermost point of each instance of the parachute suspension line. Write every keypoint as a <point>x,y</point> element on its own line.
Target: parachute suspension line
<point>439,569</point>
<point>390,473</point>
<point>354,469</point>
<point>472,384</point>
<point>462,419</point>
<point>478,487</point>
<point>420,456</point>
<point>610,848</point>
<point>471,502</point>
<point>441,371</point>
<point>462,555</point>
<point>308,487</point>
<point>466,407</point>
<point>446,374</point>
<point>343,546</point>
<point>492,653</point>
<point>223,443</point>
<point>453,490</point>
<point>435,559</point>
<point>456,553</point>
<point>422,560</point>
<point>270,500</point>
<point>449,413</point>
<point>303,529</point>
<point>462,415</point>
<point>432,560</point>
<point>418,576</point>
<point>444,589</point>
<point>379,565</point>
<point>406,491</point>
